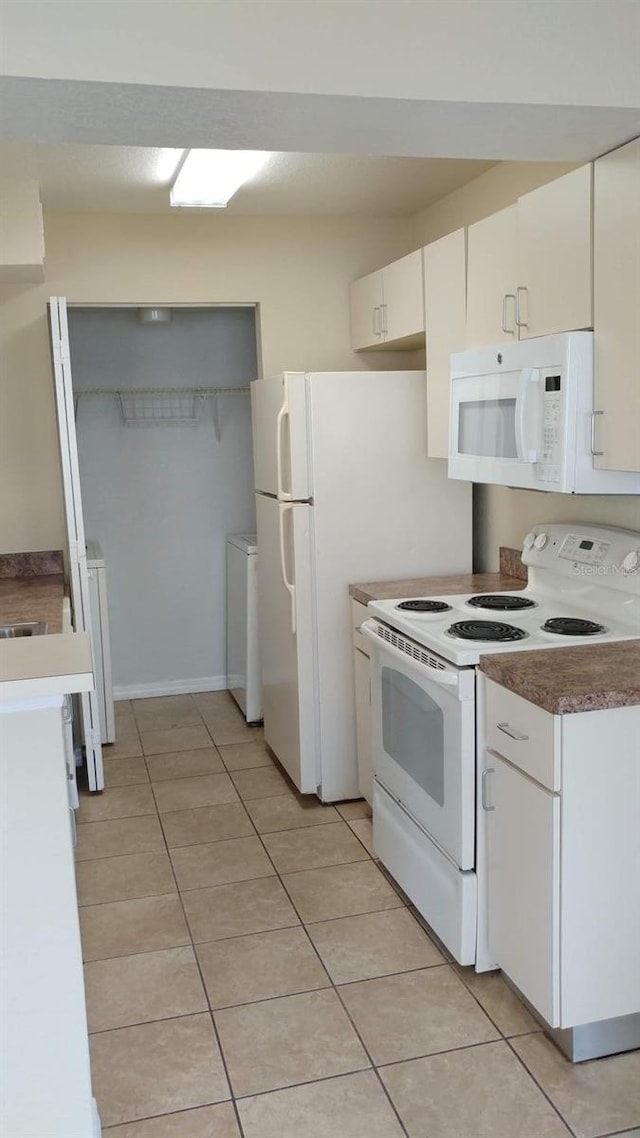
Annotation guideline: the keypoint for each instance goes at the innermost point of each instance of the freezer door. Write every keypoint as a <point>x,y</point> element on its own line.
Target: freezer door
<point>280,448</point>
<point>287,638</point>
<point>60,352</point>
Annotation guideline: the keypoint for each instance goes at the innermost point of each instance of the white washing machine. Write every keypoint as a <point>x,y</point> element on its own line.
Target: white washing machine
<point>243,659</point>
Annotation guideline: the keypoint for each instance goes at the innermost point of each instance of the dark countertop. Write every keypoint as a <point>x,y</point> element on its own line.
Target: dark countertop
<point>32,598</point>
<point>591,677</point>
<point>435,586</point>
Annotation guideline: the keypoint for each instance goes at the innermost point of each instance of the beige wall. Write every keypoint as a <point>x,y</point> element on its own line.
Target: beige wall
<point>296,270</point>
<point>504,516</point>
<point>497,187</point>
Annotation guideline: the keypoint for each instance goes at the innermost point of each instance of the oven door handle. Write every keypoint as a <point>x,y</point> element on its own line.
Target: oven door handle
<point>439,676</point>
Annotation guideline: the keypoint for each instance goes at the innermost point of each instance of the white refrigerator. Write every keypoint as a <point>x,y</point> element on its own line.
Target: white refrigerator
<point>344,493</point>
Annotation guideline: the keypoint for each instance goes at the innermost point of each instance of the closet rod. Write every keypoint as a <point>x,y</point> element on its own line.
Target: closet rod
<point>203,392</point>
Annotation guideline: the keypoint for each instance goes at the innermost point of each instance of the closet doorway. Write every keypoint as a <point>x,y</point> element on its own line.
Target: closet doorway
<point>163,427</point>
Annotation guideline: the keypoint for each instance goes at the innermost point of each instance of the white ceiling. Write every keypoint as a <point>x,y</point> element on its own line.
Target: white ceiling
<point>127,179</point>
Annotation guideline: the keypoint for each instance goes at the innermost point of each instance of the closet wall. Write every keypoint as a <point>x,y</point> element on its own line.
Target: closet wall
<point>162,498</point>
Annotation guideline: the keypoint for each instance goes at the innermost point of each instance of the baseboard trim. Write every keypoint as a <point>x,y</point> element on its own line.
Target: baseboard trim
<point>169,687</point>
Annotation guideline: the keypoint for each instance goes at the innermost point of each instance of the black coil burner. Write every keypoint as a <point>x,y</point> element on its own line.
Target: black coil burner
<point>486,630</point>
<point>421,605</point>
<point>507,603</point>
<point>572,626</point>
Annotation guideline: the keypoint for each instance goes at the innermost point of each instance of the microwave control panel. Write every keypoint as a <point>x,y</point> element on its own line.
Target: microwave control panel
<point>551,456</point>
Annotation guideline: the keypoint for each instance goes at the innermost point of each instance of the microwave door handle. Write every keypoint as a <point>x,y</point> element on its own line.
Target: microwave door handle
<point>528,379</point>
<point>442,677</point>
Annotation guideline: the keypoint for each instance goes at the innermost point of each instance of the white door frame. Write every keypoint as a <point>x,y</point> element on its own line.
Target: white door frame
<point>60,350</point>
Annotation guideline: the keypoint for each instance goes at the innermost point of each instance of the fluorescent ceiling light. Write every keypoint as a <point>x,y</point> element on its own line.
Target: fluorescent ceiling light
<point>209,178</point>
<point>167,162</point>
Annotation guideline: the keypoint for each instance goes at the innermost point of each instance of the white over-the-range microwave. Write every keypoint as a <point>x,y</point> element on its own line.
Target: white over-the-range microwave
<point>523,415</point>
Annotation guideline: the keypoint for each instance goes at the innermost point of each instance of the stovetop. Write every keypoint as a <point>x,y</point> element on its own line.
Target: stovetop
<point>583,588</point>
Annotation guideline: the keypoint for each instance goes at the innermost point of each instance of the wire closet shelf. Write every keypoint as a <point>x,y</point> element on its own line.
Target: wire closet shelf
<point>163,406</point>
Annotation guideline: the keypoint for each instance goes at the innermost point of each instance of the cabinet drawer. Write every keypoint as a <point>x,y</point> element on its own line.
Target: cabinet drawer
<point>524,734</point>
<point>359,613</point>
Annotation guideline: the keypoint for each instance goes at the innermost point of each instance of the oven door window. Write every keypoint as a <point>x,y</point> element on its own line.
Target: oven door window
<point>423,750</point>
<point>413,732</point>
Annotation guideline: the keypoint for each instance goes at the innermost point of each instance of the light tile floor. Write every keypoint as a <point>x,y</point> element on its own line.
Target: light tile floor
<point>251,973</point>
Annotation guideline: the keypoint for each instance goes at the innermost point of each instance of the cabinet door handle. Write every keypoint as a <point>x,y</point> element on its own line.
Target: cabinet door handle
<point>383,319</point>
<point>519,321</point>
<point>377,325</point>
<point>505,327</point>
<point>485,805</point>
<point>513,733</point>
<point>595,452</point>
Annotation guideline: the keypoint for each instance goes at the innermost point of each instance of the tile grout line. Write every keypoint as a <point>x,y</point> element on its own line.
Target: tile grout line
<point>337,994</point>
<point>331,985</point>
<point>448,963</point>
<point>503,1037</point>
<point>223,1058</point>
<point>539,1084</point>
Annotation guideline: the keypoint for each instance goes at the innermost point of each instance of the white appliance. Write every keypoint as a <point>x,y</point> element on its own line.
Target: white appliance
<point>243,658</point>
<point>583,586</point>
<point>345,493</point>
<point>523,414</point>
<point>79,573</point>
<point>101,640</point>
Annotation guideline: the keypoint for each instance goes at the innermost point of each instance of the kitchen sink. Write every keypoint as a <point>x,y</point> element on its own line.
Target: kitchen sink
<point>27,628</point>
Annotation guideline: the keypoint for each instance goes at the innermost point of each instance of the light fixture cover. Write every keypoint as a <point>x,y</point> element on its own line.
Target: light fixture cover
<point>210,178</point>
<point>154,315</point>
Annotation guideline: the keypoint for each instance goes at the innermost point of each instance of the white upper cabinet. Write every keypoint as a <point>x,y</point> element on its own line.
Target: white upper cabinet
<point>366,306</point>
<point>530,265</point>
<point>617,306</point>
<point>491,279</point>
<point>554,291</point>
<point>403,298</point>
<point>387,306</point>
<point>444,323</point>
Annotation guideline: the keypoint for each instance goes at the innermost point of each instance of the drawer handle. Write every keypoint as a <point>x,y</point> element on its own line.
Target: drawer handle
<point>485,806</point>
<point>513,733</point>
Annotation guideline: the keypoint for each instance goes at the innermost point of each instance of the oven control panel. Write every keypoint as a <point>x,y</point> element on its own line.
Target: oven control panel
<point>584,550</point>
<point>611,557</point>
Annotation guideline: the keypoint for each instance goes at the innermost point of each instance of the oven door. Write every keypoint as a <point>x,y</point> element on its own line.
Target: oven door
<point>496,428</point>
<point>423,738</point>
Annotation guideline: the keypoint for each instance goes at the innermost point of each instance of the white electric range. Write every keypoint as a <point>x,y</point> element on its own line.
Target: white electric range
<point>427,716</point>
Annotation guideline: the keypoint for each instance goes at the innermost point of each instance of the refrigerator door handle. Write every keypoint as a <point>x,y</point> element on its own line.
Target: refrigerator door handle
<point>289,586</point>
<point>283,413</point>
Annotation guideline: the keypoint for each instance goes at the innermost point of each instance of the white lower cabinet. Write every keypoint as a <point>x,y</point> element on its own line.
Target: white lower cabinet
<point>45,1064</point>
<point>563,858</point>
<point>524,878</point>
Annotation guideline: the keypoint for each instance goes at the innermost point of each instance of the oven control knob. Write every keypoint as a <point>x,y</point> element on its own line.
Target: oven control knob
<point>541,540</point>
<point>631,562</point>
<point>529,540</point>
